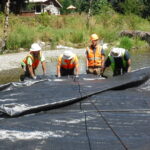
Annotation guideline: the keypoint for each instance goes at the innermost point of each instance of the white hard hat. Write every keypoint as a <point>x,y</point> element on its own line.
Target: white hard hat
<point>35,47</point>
<point>117,52</point>
<point>68,55</point>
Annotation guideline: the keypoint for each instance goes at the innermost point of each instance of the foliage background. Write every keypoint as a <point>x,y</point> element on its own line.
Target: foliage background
<point>73,27</point>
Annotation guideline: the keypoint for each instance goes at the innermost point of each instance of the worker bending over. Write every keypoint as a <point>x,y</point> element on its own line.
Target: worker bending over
<point>31,62</point>
<point>67,64</point>
<point>119,60</point>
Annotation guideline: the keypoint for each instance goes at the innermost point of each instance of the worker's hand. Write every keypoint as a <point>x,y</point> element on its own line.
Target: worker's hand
<point>34,77</point>
<point>77,76</point>
<point>58,76</point>
<point>101,74</point>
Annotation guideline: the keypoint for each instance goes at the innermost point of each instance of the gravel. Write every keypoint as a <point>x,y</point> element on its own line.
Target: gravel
<point>11,61</point>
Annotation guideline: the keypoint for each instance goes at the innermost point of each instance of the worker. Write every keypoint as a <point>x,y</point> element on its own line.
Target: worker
<point>119,60</point>
<point>31,62</point>
<point>67,64</point>
<point>95,56</point>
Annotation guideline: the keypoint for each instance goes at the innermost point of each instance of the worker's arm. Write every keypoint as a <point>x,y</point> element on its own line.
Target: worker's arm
<point>86,56</point>
<point>76,66</point>
<point>44,67</point>
<point>128,59</point>
<point>31,72</point>
<point>58,71</point>
<point>59,66</point>
<point>129,65</point>
<point>77,70</point>
<point>86,63</point>
<point>30,68</point>
<point>103,64</point>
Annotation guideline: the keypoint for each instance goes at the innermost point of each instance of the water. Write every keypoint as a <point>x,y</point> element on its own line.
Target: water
<point>139,59</point>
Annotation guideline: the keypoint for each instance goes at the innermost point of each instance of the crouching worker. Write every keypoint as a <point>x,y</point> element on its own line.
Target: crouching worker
<point>94,56</point>
<point>67,64</point>
<point>119,60</point>
<point>31,62</point>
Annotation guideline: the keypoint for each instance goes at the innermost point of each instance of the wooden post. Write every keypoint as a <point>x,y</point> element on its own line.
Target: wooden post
<point>89,13</point>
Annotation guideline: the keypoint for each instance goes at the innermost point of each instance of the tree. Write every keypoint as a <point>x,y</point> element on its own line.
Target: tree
<point>6,23</point>
<point>146,10</point>
<point>65,4</point>
<point>132,6</point>
<point>138,7</point>
<point>6,5</point>
<point>15,5</point>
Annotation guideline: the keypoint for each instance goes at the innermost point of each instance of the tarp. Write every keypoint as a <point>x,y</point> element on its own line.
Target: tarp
<point>54,93</point>
<point>85,113</point>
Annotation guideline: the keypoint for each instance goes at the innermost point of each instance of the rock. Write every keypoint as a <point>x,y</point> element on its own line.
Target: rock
<point>141,34</point>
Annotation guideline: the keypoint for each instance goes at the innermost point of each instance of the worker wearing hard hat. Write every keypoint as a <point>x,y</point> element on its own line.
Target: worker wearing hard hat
<point>119,60</point>
<point>94,56</point>
<point>67,64</point>
<point>31,62</point>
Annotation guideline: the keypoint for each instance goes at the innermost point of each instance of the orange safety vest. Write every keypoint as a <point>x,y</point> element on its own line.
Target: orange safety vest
<point>35,61</point>
<point>94,58</point>
<point>68,64</point>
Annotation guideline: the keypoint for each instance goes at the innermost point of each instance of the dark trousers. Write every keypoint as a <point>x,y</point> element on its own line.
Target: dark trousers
<point>120,71</point>
<point>66,72</point>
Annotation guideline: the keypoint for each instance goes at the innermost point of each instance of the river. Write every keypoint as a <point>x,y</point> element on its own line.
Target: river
<point>139,59</point>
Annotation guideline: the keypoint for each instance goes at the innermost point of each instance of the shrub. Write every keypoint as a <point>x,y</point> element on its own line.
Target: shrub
<point>76,37</point>
<point>126,43</point>
<point>23,36</point>
<point>43,19</point>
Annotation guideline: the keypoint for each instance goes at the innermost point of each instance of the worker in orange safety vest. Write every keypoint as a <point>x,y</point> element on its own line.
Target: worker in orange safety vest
<point>94,56</point>
<point>67,64</point>
<point>31,62</point>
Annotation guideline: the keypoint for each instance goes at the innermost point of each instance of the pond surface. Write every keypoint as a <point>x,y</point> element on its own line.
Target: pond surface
<point>139,60</point>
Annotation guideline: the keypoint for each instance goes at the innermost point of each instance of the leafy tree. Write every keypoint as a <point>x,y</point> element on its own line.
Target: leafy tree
<point>116,5</point>
<point>146,10</point>
<point>132,6</point>
<point>98,5</point>
<point>65,4</point>
<point>138,7</point>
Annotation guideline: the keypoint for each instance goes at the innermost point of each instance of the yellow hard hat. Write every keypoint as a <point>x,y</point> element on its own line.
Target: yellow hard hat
<point>94,37</point>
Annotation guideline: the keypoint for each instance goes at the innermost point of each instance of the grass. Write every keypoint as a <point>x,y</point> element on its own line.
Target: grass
<point>72,30</point>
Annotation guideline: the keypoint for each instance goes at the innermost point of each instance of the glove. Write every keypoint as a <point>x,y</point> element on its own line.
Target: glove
<point>34,78</point>
<point>58,76</point>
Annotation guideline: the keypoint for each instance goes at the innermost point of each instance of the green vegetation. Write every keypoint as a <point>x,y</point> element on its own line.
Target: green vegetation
<point>72,30</point>
<point>126,43</point>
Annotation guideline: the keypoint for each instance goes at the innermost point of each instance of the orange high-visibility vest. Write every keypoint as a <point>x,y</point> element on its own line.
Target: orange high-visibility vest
<point>94,58</point>
<point>68,64</point>
<point>35,61</point>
